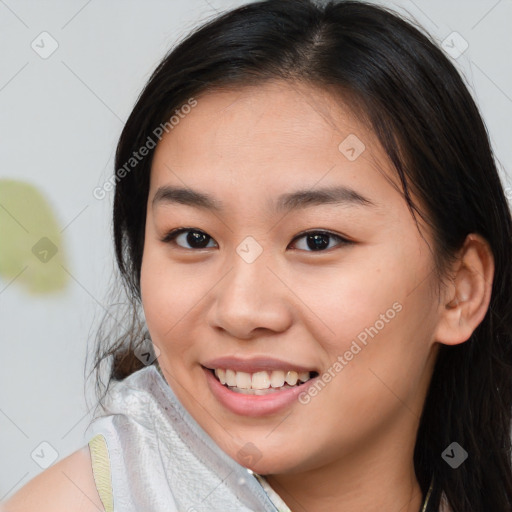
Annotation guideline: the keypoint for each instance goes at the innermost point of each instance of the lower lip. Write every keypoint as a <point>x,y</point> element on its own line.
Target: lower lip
<point>254,405</point>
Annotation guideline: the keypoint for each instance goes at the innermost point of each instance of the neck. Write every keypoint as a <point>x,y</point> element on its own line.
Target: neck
<point>370,481</point>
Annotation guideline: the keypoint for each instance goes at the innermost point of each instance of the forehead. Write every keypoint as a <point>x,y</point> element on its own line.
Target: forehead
<point>264,138</point>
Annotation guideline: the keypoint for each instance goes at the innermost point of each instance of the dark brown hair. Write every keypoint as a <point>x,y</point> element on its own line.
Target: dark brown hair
<point>426,120</point>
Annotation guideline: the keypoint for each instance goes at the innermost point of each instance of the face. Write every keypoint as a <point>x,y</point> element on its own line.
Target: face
<point>297,260</point>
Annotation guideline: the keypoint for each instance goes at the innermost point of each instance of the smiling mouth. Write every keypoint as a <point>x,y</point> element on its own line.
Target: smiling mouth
<point>262,382</point>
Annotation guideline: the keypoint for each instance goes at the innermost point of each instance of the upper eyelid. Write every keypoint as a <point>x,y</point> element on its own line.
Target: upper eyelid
<point>343,240</point>
<point>171,235</point>
<point>321,231</point>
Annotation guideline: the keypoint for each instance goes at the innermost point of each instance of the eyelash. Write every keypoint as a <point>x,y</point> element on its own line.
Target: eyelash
<point>173,234</point>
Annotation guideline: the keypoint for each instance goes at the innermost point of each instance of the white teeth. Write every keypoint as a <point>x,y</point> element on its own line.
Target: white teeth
<point>261,382</point>
<point>243,380</point>
<point>230,378</point>
<point>303,376</point>
<point>277,379</point>
<point>291,378</point>
<point>221,375</point>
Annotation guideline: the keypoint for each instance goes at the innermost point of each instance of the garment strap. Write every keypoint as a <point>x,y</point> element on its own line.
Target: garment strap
<point>274,497</point>
<point>101,471</point>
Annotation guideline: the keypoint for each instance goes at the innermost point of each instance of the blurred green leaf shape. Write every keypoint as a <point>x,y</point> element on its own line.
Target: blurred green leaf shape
<point>31,249</point>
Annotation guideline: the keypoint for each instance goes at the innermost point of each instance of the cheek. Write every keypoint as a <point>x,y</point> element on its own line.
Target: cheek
<point>385,362</point>
<point>173,298</point>
<point>376,313</point>
<point>167,296</point>
<point>352,296</point>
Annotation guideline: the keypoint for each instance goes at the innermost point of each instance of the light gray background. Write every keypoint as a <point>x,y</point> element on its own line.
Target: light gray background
<point>59,122</point>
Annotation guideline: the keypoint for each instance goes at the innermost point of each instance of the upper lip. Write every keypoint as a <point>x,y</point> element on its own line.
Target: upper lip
<point>253,365</point>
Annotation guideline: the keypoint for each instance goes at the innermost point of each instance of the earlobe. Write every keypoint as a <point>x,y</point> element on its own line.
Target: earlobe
<point>466,298</point>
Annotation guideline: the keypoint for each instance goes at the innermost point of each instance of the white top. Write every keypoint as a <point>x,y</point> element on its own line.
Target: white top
<point>150,455</point>
<point>161,460</point>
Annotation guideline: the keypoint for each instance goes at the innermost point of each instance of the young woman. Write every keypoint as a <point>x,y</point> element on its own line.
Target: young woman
<point>311,227</point>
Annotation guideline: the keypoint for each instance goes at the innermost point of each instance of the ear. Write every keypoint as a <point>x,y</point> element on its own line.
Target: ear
<point>466,297</point>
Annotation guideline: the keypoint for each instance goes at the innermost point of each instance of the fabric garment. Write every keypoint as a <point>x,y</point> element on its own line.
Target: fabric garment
<point>161,460</point>
<point>149,454</point>
<point>103,478</point>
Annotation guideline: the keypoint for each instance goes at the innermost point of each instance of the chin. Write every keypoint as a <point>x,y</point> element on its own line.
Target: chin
<point>264,458</point>
<point>272,467</point>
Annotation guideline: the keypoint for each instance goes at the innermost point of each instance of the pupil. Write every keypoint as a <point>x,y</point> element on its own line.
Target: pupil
<point>318,241</point>
<point>196,239</point>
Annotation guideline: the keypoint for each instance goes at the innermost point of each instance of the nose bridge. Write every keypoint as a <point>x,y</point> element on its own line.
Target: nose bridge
<point>247,284</point>
<point>250,296</point>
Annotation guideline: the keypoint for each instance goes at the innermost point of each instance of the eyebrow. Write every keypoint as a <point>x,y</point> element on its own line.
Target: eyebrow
<point>338,195</point>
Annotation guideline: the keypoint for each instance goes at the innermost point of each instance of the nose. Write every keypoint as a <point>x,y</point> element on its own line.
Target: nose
<point>250,300</point>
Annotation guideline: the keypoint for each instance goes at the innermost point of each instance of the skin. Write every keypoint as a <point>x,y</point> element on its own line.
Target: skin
<point>67,485</point>
<point>353,443</point>
<point>351,447</point>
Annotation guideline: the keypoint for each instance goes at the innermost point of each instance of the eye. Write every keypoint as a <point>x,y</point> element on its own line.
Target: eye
<point>196,238</point>
<point>314,241</point>
<point>318,241</point>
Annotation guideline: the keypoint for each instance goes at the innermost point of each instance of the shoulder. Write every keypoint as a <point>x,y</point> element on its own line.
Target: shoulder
<point>67,485</point>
